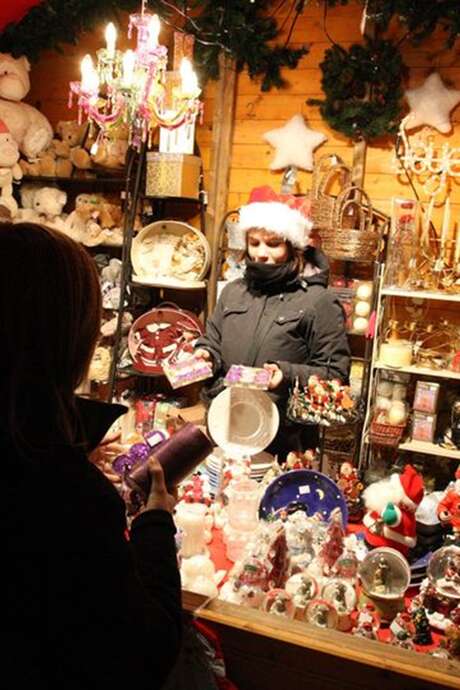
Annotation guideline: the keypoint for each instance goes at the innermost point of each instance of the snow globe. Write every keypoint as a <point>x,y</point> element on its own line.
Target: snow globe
<point>279,603</point>
<point>444,571</point>
<point>303,588</point>
<point>385,577</point>
<point>342,595</point>
<point>321,613</point>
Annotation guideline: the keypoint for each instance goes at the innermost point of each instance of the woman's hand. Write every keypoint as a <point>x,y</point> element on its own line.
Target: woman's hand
<point>276,375</point>
<point>159,498</point>
<point>106,452</point>
<point>201,353</point>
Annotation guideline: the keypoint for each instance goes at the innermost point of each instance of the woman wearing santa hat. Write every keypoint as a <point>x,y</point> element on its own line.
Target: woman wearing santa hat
<point>280,315</point>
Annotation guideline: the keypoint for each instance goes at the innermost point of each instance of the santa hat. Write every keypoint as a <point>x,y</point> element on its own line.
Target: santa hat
<point>412,487</point>
<point>284,215</point>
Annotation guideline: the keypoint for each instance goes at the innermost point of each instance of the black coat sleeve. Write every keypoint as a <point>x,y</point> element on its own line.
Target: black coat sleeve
<point>328,345</point>
<point>212,339</point>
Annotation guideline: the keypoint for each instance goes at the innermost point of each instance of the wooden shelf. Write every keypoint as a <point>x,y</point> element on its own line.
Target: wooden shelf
<point>420,294</point>
<point>421,371</point>
<point>331,646</point>
<point>169,283</point>
<point>430,449</point>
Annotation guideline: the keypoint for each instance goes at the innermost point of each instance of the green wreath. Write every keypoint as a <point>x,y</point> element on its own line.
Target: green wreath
<point>363,89</point>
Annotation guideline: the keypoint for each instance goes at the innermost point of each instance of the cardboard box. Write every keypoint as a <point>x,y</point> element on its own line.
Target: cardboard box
<point>172,174</point>
<point>426,396</point>
<point>423,427</point>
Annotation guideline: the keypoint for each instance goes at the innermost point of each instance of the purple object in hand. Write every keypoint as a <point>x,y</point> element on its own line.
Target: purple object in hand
<point>178,456</point>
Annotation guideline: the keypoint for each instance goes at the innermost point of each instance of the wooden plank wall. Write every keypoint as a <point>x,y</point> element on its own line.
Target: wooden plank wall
<point>258,112</point>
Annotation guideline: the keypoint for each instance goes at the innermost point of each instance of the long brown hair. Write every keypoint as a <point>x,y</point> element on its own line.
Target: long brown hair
<point>50,310</point>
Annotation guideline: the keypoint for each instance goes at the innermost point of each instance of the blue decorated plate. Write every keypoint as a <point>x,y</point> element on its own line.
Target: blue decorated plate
<point>312,491</point>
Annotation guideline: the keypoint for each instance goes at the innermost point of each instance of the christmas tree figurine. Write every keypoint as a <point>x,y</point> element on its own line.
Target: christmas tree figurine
<point>332,547</point>
<point>422,627</point>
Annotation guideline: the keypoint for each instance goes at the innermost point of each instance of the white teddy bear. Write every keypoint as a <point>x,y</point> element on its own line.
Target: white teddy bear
<point>9,169</point>
<point>42,205</point>
<point>28,126</point>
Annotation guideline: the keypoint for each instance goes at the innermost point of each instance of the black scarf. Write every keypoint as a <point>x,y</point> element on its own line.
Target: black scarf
<point>270,278</point>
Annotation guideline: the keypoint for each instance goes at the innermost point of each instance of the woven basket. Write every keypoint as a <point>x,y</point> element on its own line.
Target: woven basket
<point>386,434</point>
<point>328,168</point>
<point>359,243</point>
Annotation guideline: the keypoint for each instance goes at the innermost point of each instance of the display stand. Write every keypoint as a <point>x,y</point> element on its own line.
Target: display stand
<point>134,196</point>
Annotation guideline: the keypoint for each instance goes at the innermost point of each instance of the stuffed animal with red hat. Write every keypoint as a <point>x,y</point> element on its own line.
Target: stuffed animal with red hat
<point>9,169</point>
<point>390,510</point>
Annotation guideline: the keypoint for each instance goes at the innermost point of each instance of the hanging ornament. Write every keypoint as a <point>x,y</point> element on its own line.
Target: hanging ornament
<point>431,104</point>
<point>294,143</point>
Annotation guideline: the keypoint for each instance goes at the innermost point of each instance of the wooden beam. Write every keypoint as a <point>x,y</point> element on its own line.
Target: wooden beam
<point>221,154</point>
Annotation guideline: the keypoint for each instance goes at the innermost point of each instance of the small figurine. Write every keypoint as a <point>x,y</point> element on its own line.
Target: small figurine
<point>322,614</point>
<point>349,483</point>
<point>402,630</point>
<point>450,583</point>
<point>302,588</point>
<point>449,508</point>
<point>332,547</point>
<point>279,603</point>
<point>452,640</point>
<point>422,627</point>
<point>339,600</point>
<point>381,582</point>
<point>367,623</point>
<point>391,504</point>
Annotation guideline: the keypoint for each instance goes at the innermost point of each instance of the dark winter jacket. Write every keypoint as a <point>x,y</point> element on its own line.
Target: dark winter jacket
<point>86,608</point>
<point>301,329</point>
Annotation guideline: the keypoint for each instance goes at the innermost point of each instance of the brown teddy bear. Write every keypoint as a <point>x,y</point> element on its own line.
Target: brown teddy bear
<point>74,136</point>
<point>111,148</point>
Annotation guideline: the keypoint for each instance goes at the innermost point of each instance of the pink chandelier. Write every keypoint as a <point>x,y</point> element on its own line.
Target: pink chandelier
<point>132,87</point>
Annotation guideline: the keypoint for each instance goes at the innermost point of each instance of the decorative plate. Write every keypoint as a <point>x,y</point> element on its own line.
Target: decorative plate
<point>170,253</point>
<point>315,493</point>
<point>242,421</point>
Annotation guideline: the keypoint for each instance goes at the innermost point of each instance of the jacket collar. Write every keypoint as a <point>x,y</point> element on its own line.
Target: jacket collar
<point>94,420</point>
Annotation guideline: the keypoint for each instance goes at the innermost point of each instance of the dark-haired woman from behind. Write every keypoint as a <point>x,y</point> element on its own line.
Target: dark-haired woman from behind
<point>87,605</point>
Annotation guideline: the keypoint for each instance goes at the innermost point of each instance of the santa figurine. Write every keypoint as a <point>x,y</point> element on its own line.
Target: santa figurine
<point>390,510</point>
<point>449,507</point>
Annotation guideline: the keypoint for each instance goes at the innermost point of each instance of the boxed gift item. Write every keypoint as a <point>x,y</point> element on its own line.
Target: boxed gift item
<point>423,427</point>
<point>172,174</point>
<point>426,396</point>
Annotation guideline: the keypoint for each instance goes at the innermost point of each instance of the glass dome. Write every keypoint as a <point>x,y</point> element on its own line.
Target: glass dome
<point>444,571</point>
<point>385,573</point>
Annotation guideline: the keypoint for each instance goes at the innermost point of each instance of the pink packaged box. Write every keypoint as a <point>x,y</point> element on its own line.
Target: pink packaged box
<point>247,377</point>
<point>423,427</point>
<point>426,396</point>
<point>187,371</point>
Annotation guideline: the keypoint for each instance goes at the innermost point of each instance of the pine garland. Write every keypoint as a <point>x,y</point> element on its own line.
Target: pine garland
<point>363,89</point>
<point>244,29</point>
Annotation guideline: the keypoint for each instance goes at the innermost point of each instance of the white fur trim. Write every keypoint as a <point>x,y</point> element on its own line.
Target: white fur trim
<point>276,217</point>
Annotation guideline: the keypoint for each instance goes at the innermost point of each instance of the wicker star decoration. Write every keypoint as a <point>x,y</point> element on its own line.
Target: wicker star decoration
<point>294,143</point>
<point>431,104</point>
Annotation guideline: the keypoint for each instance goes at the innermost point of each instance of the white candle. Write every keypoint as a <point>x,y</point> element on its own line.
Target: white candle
<point>110,38</point>
<point>445,224</point>
<point>190,517</point>
<point>89,78</point>
<point>154,31</point>
<point>129,60</point>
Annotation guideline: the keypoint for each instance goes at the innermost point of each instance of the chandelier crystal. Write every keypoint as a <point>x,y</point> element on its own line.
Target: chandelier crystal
<point>135,87</point>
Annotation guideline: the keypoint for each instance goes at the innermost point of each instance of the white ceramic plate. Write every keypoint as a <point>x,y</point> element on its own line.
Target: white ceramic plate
<point>242,421</point>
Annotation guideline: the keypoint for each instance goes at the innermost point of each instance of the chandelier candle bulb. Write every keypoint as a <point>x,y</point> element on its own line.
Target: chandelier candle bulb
<point>87,71</point>
<point>110,39</point>
<point>154,31</point>
<point>129,61</point>
<point>189,79</point>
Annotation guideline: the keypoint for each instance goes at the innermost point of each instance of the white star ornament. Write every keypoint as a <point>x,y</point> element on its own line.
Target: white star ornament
<point>431,104</point>
<point>294,144</point>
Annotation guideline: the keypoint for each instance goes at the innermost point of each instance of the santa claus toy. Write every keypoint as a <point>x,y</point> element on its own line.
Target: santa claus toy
<point>391,504</point>
<point>449,507</point>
